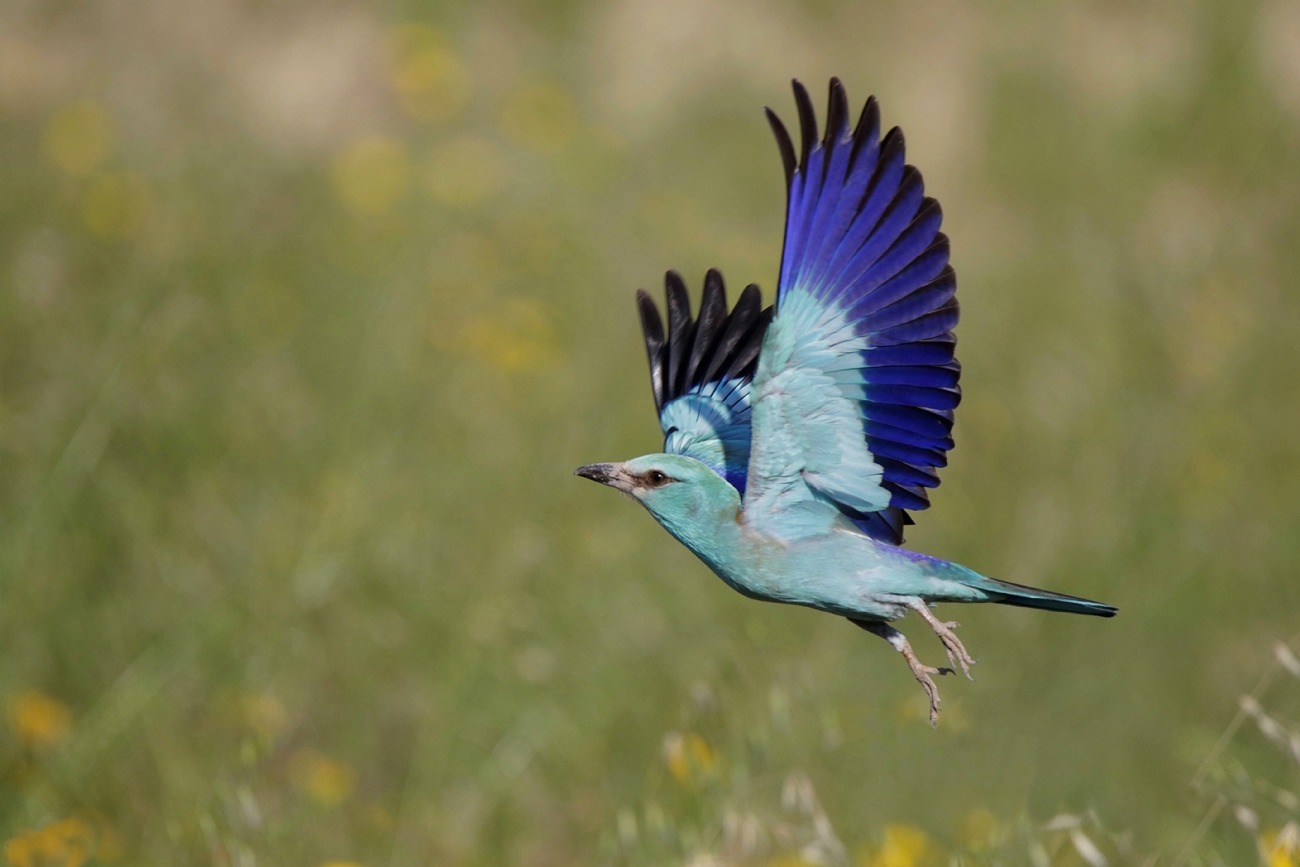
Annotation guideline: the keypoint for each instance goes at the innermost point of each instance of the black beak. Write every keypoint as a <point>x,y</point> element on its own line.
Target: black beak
<point>603,473</point>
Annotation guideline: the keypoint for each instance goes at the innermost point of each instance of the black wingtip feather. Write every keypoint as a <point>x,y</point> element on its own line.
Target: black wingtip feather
<point>784,144</point>
<point>652,328</point>
<point>837,114</point>
<point>709,325</point>
<point>930,208</point>
<point>747,309</point>
<point>651,325</point>
<point>679,331</point>
<point>717,345</point>
<point>894,141</point>
<point>867,130</point>
<point>892,147</point>
<point>807,123</point>
<point>742,366</point>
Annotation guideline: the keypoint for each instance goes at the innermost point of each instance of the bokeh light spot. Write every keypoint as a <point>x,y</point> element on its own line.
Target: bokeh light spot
<point>688,757</point>
<point>68,843</point>
<point>541,117</point>
<point>371,174</point>
<point>79,137</point>
<point>39,720</point>
<point>115,206</point>
<point>518,336</point>
<point>904,846</point>
<point>429,78</point>
<point>327,781</point>
<point>466,171</point>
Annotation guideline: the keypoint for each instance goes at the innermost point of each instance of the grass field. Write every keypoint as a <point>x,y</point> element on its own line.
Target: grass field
<point>309,311</point>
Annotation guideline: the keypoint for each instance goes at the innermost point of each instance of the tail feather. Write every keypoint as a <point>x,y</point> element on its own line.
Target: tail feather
<point>1007,593</point>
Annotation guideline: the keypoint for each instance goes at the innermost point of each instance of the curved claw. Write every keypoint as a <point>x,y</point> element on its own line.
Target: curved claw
<point>931,692</point>
<point>920,671</point>
<point>957,653</point>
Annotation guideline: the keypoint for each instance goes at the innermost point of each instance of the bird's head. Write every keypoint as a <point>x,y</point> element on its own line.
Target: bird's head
<point>679,491</point>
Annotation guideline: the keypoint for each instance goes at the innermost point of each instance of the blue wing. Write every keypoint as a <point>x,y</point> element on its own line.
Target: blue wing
<point>866,307</point>
<point>702,371</point>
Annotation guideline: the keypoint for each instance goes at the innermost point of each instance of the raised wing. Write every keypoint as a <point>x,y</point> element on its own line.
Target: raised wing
<point>856,381</point>
<point>702,371</point>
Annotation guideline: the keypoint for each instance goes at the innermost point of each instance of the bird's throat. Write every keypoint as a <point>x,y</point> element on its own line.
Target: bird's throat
<point>723,541</point>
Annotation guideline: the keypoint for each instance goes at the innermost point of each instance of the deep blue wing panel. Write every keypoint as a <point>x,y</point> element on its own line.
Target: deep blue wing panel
<point>865,260</point>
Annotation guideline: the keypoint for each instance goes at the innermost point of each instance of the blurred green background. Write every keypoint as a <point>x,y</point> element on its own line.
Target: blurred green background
<point>309,310</point>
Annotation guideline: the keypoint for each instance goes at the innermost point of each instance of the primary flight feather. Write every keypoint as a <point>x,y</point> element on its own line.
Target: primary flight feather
<point>797,437</point>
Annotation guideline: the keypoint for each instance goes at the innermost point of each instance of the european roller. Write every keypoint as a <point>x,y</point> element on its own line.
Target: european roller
<point>798,437</point>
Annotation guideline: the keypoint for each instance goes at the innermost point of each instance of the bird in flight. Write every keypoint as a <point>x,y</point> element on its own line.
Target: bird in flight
<point>798,437</point>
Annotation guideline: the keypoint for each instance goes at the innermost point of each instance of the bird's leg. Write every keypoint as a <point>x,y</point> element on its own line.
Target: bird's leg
<point>920,672</point>
<point>957,654</point>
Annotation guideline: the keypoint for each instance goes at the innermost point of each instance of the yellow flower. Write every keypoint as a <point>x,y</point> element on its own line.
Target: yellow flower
<point>1278,847</point>
<point>328,781</point>
<point>541,117</point>
<point>689,757</point>
<point>69,843</point>
<point>905,846</point>
<point>371,174</point>
<point>39,720</point>
<point>79,137</point>
<point>430,79</point>
<point>115,205</point>
<point>1278,857</point>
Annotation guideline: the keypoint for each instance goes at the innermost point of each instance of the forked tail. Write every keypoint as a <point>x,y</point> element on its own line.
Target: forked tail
<point>1007,593</point>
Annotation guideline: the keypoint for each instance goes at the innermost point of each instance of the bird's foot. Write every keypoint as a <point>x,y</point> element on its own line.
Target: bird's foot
<point>920,671</point>
<point>957,653</point>
<point>922,674</point>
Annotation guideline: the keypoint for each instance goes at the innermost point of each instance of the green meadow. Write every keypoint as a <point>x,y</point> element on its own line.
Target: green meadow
<point>308,311</point>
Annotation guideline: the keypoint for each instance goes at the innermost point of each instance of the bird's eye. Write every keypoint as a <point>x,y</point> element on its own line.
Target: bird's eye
<point>656,478</point>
